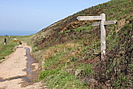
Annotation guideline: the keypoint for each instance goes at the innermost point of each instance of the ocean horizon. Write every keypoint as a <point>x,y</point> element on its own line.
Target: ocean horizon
<point>19,33</point>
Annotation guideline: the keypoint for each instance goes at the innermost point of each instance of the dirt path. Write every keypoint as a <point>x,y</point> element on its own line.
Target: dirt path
<point>14,68</point>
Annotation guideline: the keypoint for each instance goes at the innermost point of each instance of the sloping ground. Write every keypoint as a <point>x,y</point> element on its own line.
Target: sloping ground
<point>69,50</point>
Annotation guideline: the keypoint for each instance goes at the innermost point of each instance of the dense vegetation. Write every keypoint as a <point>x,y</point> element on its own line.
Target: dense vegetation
<point>69,50</point>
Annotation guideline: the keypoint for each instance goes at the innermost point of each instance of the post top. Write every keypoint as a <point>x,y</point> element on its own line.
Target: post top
<point>102,14</point>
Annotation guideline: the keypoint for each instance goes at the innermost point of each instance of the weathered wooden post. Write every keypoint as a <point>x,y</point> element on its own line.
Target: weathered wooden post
<point>103,37</point>
<point>102,24</point>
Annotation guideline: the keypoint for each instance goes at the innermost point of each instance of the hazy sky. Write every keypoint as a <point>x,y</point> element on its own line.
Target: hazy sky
<point>25,17</point>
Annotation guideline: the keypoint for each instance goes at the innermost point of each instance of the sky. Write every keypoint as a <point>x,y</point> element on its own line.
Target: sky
<point>26,17</point>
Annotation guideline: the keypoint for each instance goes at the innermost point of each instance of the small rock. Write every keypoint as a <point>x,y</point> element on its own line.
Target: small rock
<point>78,72</point>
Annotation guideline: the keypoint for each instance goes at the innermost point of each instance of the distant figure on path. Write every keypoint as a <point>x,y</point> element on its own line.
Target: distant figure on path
<point>5,41</point>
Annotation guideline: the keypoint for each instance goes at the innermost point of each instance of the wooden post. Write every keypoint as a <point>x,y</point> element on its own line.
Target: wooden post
<point>103,37</point>
<point>102,24</point>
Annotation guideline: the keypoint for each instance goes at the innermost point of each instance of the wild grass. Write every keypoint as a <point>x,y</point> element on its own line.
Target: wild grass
<point>8,48</point>
<point>64,80</point>
<point>61,62</point>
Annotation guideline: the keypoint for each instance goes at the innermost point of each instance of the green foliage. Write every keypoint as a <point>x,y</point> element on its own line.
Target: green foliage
<point>6,49</point>
<point>58,64</point>
<point>53,61</point>
<point>47,73</point>
<point>73,59</point>
<point>62,80</point>
<point>79,29</point>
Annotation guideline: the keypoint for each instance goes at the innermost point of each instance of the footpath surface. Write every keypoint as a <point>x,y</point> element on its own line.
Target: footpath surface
<point>14,66</point>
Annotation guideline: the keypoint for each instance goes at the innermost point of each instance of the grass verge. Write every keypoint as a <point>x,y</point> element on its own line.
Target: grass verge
<point>63,68</point>
<point>8,48</point>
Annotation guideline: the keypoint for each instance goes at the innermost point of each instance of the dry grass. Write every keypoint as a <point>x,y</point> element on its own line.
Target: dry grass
<point>58,48</point>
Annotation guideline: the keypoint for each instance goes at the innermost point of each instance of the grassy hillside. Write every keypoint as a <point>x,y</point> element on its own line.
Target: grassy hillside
<point>69,50</point>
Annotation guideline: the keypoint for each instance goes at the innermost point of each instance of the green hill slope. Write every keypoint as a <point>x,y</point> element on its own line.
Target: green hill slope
<point>69,50</point>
